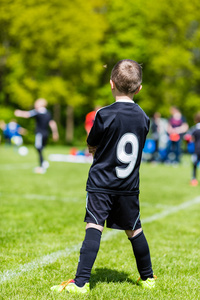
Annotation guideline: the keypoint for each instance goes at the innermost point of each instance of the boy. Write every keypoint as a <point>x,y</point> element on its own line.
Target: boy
<point>195,134</point>
<point>43,121</point>
<point>116,140</point>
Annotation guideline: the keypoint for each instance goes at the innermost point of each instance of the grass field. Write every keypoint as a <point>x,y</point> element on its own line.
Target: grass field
<point>41,230</point>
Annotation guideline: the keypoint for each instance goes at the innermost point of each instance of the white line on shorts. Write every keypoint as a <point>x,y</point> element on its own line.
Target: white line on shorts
<point>51,258</point>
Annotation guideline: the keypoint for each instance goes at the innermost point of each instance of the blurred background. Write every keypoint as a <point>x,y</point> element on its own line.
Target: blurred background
<point>64,51</point>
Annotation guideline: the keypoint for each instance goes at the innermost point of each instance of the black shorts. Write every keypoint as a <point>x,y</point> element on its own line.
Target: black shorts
<point>40,141</point>
<point>119,211</point>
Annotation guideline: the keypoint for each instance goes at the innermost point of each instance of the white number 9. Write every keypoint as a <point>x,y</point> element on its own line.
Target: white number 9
<point>127,158</point>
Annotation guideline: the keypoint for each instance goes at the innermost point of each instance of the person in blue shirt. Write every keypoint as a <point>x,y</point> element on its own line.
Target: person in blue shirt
<point>13,132</point>
<point>116,140</point>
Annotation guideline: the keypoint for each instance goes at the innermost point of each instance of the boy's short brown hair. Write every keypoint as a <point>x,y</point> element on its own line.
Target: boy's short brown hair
<point>127,76</point>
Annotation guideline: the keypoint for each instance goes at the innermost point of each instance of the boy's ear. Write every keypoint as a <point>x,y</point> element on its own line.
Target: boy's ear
<point>138,89</point>
<point>112,84</point>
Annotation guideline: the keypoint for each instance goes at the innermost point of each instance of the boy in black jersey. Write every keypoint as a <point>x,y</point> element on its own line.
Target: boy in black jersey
<point>43,121</point>
<point>116,140</point>
<point>195,134</point>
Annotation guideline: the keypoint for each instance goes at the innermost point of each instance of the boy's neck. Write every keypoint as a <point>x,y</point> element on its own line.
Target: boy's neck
<point>124,98</point>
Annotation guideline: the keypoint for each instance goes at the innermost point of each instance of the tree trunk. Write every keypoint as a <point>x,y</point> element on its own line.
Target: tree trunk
<point>56,113</point>
<point>69,133</point>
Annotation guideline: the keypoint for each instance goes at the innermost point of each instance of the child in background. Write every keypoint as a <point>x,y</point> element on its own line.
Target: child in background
<point>195,133</point>
<point>13,132</point>
<point>116,140</point>
<point>43,121</point>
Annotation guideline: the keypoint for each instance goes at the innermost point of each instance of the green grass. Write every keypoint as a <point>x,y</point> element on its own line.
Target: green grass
<point>41,230</point>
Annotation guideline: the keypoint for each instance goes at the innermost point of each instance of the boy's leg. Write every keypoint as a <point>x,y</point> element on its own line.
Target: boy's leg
<point>194,174</point>
<point>41,159</point>
<point>195,160</point>
<point>39,146</point>
<point>88,253</point>
<point>141,252</point>
<point>178,151</point>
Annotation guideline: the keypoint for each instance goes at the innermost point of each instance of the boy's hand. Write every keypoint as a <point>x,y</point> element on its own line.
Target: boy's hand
<point>92,149</point>
<point>17,113</point>
<point>55,136</point>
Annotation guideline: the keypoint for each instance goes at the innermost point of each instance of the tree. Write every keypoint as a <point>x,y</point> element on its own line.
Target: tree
<point>164,36</point>
<point>50,49</point>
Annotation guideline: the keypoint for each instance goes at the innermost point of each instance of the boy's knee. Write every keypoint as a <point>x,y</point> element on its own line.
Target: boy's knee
<point>133,233</point>
<point>91,225</point>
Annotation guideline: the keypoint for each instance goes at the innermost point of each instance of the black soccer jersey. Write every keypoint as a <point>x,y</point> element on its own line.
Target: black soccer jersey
<point>195,132</point>
<point>43,117</point>
<point>119,131</point>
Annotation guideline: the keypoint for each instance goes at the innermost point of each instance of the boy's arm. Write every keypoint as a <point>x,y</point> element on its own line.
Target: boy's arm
<point>2,125</point>
<point>54,129</point>
<point>92,149</point>
<point>22,131</point>
<point>183,128</point>
<point>180,129</point>
<point>22,113</point>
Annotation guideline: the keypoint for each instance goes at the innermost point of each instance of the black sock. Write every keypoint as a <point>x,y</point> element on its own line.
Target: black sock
<point>88,253</point>
<point>41,159</point>
<point>142,255</point>
<point>194,171</point>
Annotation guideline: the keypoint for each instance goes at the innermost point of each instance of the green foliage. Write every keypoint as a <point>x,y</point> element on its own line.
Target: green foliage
<point>64,51</point>
<point>164,37</point>
<point>50,50</point>
<point>6,114</point>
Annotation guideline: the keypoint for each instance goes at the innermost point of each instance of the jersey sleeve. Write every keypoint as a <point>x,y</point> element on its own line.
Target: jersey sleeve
<point>96,132</point>
<point>32,113</point>
<point>50,117</point>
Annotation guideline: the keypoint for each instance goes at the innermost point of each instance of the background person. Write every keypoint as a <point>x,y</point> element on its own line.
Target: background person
<point>13,132</point>
<point>159,134</point>
<point>155,134</point>
<point>177,126</point>
<point>195,137</point>
<point>89,119</point>
<point>43,121</point>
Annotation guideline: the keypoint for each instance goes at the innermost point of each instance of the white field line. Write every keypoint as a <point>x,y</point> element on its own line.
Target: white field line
<point>51,258</point>
<point>16,166</point>
<point>40,197</point>
<point>171,210</point>
<point>69,199</point>
<point>156,205</point>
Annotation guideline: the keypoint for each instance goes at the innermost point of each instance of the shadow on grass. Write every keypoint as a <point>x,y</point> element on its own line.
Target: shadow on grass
<point>108,275</point>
